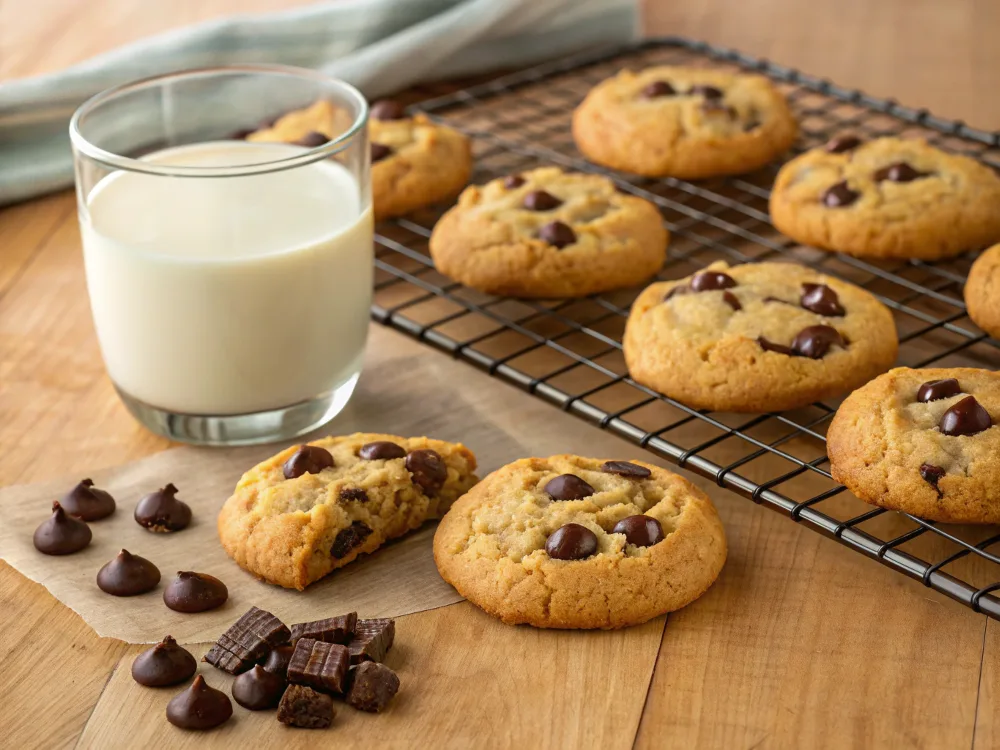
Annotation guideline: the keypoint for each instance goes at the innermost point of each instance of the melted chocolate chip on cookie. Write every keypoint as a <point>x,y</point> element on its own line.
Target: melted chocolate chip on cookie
<point>932,475</point>
<point>839,196</point>
<point>731,299</point>
<point>709,92</point>
<point>428,469</point>
<point>308,459</point>
<point>842,143</point>
<point>967,417</point>
<point>571,542</point>
<point>815,341</point>
<point>710,280</point>
<point>380,151</point>
<point>349,538</point>
<point>568,487</point>
<point>514,181</point>
<point>387,109</point>
<point>626,469</point>
<point>822,300</point>
<point>539,200</point>
<point>657,89</point>
<point>383,450</point>
<point>642,531</point>
<point>353,494</point>
<point>898,172</point>
<point>935,390</point>
<point>557,234</point>
<point>770,346</point>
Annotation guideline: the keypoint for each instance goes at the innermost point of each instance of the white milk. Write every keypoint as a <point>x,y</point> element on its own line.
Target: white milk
<point>229,295</point>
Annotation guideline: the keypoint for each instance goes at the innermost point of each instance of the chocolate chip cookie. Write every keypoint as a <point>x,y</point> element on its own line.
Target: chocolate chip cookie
<point>549,233</point>
<point>757,337</point>
<point>689,123</point>
<point>982,291</point>
<point>887,198</point>
<point>314,508</point>
<point>414,162</point>
<point>571,542</point>
<point>923,442</point>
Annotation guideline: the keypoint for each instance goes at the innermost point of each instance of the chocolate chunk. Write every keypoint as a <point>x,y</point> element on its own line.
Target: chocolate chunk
<point>935,390</point>
<point>967,417</point>
<point>822,300</point>
<point>128,575</point>
<point>571,542</point>
<point>308,459</point>
<point>657,89</point>
<point>61,534</point>
<point>568,487</point>
<point>248,641</point>
<point>349,538</point>
<point>380,151</point>
<point>164,664</point>
<point>557,234</point>
<point>277,660</point>
<point>626,469</point>
<point>353,494</point>
<point>770,346</point>
<point>709,92</point>
<point>161,511</point>
<point>382,450</point>
<point>195,592</point>
<point>387,109</point>
<point>815,341</point>
<point>539,200</point>
<point>373,685</point>
<point>319,665</point>
<point>372,640</point>
<point>199,707</point>
<point>642,531</point>
<point>339,629</point>
<point>258,689</point>
<point>680,289</point>
<point>898,172</point>
<point>707,281</point>
<point>842,143</point>
<point>513,181</point>
<point>304,707</point>
<point>88,503</point>
<point>312,139</point>
<point>932,475</point>
<point>839,196</point>
<point>428,469</point>
<point>732,300</point>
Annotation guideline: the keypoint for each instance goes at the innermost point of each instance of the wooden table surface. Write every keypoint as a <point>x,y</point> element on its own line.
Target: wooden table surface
<point>801,643</point>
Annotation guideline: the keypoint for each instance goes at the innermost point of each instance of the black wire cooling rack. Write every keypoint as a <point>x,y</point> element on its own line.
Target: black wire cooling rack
<point>569,351</point>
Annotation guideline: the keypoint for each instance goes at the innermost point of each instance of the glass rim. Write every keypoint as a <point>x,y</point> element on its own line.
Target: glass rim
<point>108,158</point>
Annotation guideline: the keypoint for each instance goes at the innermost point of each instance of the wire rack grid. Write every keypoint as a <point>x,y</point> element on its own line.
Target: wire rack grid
<point>569,352</point>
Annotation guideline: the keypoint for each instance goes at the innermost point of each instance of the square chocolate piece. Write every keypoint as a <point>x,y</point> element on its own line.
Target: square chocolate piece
<point>303,707</point>
<point>338,629</point>
<point>319,665</point>
<point>372,687</point>
<point>372,640</point>
<point>248,641</point>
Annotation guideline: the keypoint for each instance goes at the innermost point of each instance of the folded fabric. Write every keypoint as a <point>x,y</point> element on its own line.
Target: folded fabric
<point>378,45</point>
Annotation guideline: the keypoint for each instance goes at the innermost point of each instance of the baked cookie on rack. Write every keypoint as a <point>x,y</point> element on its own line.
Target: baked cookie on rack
<point>414,162</point>
<point>571,542</point>
<point>757,337</point>
<point>924,442</point>
<point>982,291</point>
<point>887,198</point>
<point>689,123</point>
<point>549,233</point>
<point>313,508</point>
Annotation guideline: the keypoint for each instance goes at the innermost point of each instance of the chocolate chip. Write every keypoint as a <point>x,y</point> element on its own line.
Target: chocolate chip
<point>164,664</point>
<point>349,538</point>
<point>770,346</point>
<point>822,300</point>
<point>967,417</point>
<point>935,390</point>
<point>312,139</point>
<point>372,640</point>
<point>707,281</point>
<point>61,534</point>
<point>339,629</point>
<point>373,685</point>
<point>128,575</point>
<point>199,707</point>
<point>657,89</point>
<point>557,234</point>
<point>88,503</point>
<point>626,469</point>
<point>277,660</point>
<point>380,151</point>
<point>258,689</point>
<point>387,109</point>
<point>513,181</point>
<point>717,107</point>
<point>539,200</point>
<point>751,124</point>
<point>308,459</point>
<point>428,469</point>
<point>571,542</point>
<point>161,511</point>
<point>568,487</point>
<point>932,475</point>
<point>642,531</point>
<point>709,92</point>
<point>679,289</point>
<point>319,665</point>
<point>303,707</point>
<point>842,143</point>
<point>898,172</point>
<point>195,592</point>
<point>839,196</point>
<point>381,450</point>
<point>353,494</point>
<point>247,641</point>
<point>731,299</point>
<point>815,341</point>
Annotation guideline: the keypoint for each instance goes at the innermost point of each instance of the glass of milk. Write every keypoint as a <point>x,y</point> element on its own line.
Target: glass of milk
<point>230,281</point>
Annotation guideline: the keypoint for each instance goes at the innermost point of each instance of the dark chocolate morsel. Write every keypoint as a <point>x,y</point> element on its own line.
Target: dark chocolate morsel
<point>815,341</point>
<point>88,503</point>
<point>822,300</point>
<point>312,139</point>
<point>706,281</point>
<point>387,109</point>
<point>304,707</point>
<point>732,300</point>
<point>657,89</point>
<point>308,459</point>
<point>839,195</point>
<point>677,290</point>
<point>277,660</point>
<point>898,172</point>
<point>349,538</point>
<point>770,346</point>
<point>128,575</point>
<point>642,531</point>
<point>626,469</point>
<point>568,487</point>
<point>247,641</point>
<point>381,450</point>
<point>161,511</point>
<point>557,234</point>
<point>842,143</point>
<point>373,685</point>
<point>709,92</point>
<point>164,664</point>
<point>935,390</point>
<point>513,181</point>
<point>258,689</point>
<point>379,152</point>
<point>199,707</point>
<point>539,200</point>
<point>195,592</point>
<point>967,417</point>
<point>353,494</point>
<point>61,534</point>
<point>571,542</point>
<point>932,475</point>
<point>427,468</point>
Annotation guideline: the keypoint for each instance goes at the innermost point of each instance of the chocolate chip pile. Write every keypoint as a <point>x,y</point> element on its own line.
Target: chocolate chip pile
<point>298,670</point>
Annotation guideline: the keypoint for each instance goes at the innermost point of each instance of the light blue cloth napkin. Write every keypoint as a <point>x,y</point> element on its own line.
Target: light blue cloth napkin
<point>378,45</point>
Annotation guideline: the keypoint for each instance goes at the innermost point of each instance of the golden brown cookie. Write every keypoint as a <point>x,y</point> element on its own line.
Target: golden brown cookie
<point>982,291</point>
<point>887,198</point>
<point>571,542</point>
<point>549,233</point>
<point>923,442</point>
<point>757,337</point>
<point>684,122</point>
<point>312,509</point>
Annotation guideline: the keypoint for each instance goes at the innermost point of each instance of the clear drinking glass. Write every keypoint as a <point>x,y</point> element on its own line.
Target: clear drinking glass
<point>230,279</point>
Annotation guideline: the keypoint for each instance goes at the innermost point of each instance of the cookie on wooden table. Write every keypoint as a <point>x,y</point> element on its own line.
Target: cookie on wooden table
<point>923,442</point>
<point>689,123</point>
<point>311,509</point>
<point>549,233</point>
<point>571,542</point>
<point>982,291</point>
<point>887,198</point>
<point>757,337</point>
